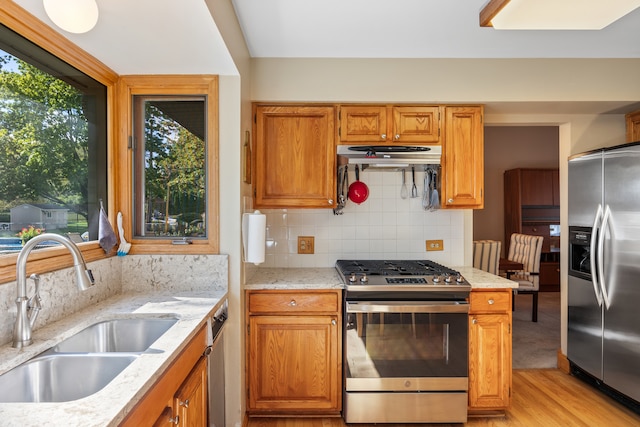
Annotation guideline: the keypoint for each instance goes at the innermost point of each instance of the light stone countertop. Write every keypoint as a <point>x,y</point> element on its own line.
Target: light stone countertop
<point>328,278</point>
<point>110,405</point>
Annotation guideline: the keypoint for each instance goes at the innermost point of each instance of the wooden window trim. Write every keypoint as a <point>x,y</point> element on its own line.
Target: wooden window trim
<point>22,22</point>
<point>128,86</point>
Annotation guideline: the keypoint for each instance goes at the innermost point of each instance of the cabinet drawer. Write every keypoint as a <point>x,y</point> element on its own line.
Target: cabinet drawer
<point>293,302</point>
<point>490,302</point>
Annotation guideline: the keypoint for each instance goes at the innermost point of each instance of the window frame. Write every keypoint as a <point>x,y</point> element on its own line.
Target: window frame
<point>28,26</point>
<point>149,85</point>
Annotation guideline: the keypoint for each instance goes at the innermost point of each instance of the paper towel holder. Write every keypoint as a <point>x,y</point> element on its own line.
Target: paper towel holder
<point>253,237</point>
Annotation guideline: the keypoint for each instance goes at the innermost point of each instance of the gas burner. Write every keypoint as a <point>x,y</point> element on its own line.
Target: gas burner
<point>398,275</point>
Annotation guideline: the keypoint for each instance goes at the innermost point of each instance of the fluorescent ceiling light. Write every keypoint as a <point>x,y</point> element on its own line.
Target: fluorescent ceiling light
<point>73,16</point>
<point>554,14</point>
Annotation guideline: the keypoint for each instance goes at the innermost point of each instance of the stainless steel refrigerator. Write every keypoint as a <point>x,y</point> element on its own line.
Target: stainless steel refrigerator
<point>603,336</point>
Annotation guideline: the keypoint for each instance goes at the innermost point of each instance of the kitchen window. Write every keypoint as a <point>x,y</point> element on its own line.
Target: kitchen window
<point>53,144</point>
<point>170,195</point>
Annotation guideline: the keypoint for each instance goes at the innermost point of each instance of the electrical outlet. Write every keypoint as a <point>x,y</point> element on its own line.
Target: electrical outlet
<point>435,245</point>
<point>305,244</point>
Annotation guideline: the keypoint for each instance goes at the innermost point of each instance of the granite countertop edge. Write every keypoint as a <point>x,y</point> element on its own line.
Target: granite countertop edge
<point>109,406</point>
<point>328,278</point>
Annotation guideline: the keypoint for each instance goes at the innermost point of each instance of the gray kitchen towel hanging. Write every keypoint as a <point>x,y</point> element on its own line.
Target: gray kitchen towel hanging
<point>106,235</point>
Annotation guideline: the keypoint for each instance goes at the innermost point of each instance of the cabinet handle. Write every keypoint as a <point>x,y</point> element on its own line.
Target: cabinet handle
<point>293,303</point>
<point>185,403</point>
<point>474,321</point>
<point>449,200</point>
<point>491,301</point>
<point>333,322</point>
<point>383,136</point>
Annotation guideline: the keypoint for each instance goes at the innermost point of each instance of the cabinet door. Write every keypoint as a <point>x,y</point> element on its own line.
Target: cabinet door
<point>463,158</point>
<point>364,123</point>
<point>295,157</point>
<point>537,187</point>
<point>489,361</point>
<point>293,364</point>
<point>633,126</point>
<point>191,400</point>
<point>416,125</point>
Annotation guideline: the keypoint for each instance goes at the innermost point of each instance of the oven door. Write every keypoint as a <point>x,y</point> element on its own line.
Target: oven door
<point>406,346</point>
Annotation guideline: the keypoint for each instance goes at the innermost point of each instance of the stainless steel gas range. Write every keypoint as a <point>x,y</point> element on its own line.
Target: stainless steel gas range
<point>405,342</point>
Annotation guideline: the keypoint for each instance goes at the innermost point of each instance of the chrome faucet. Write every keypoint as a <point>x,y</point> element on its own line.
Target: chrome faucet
<point>27,311</point>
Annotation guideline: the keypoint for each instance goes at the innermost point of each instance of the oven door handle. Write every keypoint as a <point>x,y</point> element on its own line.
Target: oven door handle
<point>407,307</point>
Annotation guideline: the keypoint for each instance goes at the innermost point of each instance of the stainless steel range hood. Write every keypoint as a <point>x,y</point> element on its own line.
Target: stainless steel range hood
<point>395,156</point>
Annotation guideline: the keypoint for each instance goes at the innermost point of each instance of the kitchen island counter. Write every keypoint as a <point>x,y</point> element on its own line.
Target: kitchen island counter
<point>328,278</point>
<point>109,406</point>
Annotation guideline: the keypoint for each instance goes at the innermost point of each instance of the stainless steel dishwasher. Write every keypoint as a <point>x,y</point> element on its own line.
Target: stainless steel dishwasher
<point>216,368</point>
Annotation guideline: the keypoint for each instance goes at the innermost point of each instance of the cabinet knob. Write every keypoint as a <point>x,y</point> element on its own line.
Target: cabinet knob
<point>491,301</point>
<point>474,321</point>
<point>330,201</point>
<point>333,322</point>
<point>383,136</point>
<point>397,137</point>
<point>175,420</point>
<point>293,303</point>
<point>185,403</point>
<point>449,200</point>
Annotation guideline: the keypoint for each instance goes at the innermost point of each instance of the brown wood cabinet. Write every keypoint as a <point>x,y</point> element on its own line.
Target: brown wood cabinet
<point>294,352</point>
<point>179,397</point>
<point>531,206</point>
<point>490,356</point>
<point>463,157</point>
<point>633,126</point>
<point>385,124</point>
<point>295,156</point>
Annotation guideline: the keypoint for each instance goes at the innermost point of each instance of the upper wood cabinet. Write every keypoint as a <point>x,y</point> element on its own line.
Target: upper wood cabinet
<point>633,126</point>
<point>386,124</point>
<point>295,156</point>
<point>463,157</point>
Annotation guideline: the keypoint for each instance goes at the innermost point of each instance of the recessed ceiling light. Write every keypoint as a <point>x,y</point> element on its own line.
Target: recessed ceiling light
<point>554,14</point>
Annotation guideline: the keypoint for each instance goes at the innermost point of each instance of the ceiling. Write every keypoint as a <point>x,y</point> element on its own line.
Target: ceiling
<point>181,37</point>
<point>414,29</point>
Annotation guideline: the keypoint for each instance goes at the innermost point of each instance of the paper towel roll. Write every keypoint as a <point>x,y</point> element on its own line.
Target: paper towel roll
<point>254,226</point>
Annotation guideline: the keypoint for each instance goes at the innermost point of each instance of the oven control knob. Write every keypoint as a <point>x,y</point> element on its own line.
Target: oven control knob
<point>459,278</point>
<point>447,278</point>
<point>436,279</point>
<point>352,278</point>
<point>364,279</point>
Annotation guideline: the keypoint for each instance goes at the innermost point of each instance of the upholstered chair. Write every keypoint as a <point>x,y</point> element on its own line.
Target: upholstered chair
<point>526,249</point>
<point>486,255</point>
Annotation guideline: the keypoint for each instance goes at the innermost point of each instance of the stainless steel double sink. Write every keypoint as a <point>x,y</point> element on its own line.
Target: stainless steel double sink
<point>84,363</point>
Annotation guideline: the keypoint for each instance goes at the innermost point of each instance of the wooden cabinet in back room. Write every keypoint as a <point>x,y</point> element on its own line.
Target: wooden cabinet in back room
<point>532,206</point>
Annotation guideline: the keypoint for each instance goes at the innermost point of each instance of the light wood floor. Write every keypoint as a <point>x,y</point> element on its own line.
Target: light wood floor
<point>541,397</point>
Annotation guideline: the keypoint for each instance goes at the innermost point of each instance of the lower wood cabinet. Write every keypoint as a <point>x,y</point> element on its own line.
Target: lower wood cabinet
<point>180,396</point>
<point>294,352</point>
<point>490,350</point>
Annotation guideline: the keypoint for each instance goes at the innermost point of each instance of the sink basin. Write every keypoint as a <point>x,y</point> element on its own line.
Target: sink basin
<point>61,378</point>
<point>119,335</point>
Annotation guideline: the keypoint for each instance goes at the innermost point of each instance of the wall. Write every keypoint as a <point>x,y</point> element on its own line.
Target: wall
<point>509,147</point>
<point>385,226</point>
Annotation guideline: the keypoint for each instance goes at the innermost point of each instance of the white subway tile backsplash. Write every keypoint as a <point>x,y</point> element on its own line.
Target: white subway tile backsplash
<point>385,226</point>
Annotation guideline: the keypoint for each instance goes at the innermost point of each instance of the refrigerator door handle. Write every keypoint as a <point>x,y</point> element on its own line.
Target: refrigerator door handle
<point>603,228</point>
<point>594,257</point>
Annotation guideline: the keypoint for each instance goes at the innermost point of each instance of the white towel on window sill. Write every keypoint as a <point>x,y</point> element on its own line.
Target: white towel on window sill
<point>106,235</point>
